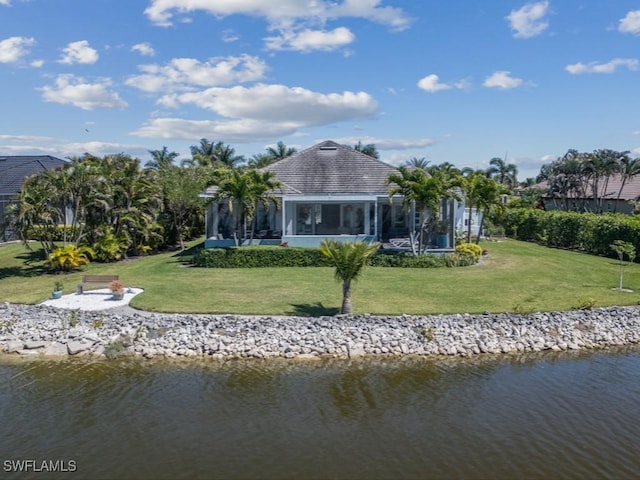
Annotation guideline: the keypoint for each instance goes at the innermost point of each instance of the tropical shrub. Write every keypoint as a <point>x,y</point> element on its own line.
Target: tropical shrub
<point>69,258</point>
<point>470,249</point>
<point>588,232</point>
<point>108,247</point>
<point>263,256</point>
<point>247,257</point>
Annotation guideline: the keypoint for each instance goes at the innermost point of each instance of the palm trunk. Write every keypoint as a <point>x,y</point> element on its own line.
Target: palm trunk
<point>347,308</point>
<point>469,225</point>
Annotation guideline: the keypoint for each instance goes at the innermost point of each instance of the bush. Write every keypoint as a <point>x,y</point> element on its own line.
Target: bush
<point>588,232</point>
<point>248,257</point>
<point>471,250</point>
<point>69,258</point>
<point>407,260</point>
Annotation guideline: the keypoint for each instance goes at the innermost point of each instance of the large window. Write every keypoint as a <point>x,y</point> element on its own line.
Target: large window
<point>330,218</point>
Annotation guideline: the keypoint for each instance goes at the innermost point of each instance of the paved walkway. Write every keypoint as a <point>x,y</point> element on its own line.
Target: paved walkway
<point>101,299</point>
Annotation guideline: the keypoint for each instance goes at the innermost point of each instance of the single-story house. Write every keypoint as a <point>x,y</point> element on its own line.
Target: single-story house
<point>13,172</point>
<point>614,195</point>
<point>330,191</point>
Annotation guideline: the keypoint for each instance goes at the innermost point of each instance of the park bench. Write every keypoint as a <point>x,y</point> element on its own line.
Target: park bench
<point>95,280</point>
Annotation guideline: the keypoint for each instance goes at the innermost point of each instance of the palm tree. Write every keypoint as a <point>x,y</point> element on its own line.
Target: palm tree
<point>419,163</point>
<point>235,187</point>
<point>628,168</point>
<point>263,186</point>
<point>349,260</point>
<point>261,160</point>
<point>161,158</point>
<point>368,149</point>
<point>425,191</point>
<point>505,173</point>
<point>226,155</point>
<point>280,151</point>
<point>483,194</point>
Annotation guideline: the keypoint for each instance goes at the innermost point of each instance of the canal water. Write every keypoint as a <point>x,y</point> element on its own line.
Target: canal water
<point>543,416</point>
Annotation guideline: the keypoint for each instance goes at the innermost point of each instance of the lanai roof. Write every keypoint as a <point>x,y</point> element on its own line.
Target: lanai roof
<point>14,169</point>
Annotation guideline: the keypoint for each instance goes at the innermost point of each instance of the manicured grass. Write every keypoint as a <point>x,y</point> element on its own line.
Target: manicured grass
<point>516,276</point>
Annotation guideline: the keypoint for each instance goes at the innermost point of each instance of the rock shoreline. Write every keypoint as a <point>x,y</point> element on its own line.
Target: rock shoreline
<point>37,330</point>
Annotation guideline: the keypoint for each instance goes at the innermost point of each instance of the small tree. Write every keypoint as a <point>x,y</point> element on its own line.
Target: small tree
<point>623,248</point>
<point>349,259</point>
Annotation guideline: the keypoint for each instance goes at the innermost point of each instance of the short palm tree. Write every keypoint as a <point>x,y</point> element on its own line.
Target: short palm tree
<point>349,259</point>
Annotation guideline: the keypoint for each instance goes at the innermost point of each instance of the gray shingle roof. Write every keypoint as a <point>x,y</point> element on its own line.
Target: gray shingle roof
<point>331,168</point>
<point>14,169</point>
<point>610,190</point>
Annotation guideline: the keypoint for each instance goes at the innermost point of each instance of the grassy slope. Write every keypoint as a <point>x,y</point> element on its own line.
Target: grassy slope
<point>516,276</point>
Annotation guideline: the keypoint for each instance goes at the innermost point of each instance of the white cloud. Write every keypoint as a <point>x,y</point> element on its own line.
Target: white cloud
<point>279,103</point>
<point>37,63</point>
<point>388,143</point>
<point>100,149</point>
<point>630,23</point>
<point>308,40</point>
<point>26,138</point>
<point>502,79</point>
<point>229,36</point>
<point>5,2</point>
<point>431,83</point>
<point>261,112</point>
<point>609,67</point>
<point>14,48</point>
<point>72,90</point>
<point>282,12</point>
<point>231,131</point>
<point>182,73</point>
<point>529,20</point>
<point>144,49</point>
<point>78,52</point>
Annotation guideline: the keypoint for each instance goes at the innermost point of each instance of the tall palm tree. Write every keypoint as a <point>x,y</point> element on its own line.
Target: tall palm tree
<point>368,149</point>
<point>236,189</point>
<point>600,166</point>
<point>161,158</point>
<point>280,151</point>
<point>263,187</point>
<point>505,173</point>
<point>628,168</point>
<point>261,160</point>
<point>483,194</point>
<point>349,260</point>
<point>425,191</point>
<point>420,163</point>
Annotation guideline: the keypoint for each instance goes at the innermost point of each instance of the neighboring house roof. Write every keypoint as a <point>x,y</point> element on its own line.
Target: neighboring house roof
<point>14,169</point>
<point>331,168</point>
<point>609,191</point>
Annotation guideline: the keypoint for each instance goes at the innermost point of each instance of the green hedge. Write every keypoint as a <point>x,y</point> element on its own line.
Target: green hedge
<point>248,257</point>
<point>588,232</point>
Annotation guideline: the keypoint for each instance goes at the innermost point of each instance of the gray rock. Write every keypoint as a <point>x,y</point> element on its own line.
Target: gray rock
<point>75,347</point>
<point>56,349</point>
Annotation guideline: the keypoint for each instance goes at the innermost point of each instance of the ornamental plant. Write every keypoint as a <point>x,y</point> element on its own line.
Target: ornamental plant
<point>622,248</point>
<point>69,258</point>
<point>470,249</point>
<point>116,287</point>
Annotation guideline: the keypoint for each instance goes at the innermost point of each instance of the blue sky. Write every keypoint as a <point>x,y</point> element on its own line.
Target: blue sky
<point>460,81</point>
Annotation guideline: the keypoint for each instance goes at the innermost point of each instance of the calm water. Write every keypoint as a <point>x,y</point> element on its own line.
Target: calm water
<point>528,417</point>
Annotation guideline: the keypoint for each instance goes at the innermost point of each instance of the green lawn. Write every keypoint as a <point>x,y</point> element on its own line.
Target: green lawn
<point>516,276</point>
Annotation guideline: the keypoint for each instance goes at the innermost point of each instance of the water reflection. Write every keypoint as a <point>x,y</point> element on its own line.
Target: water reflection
<point>530,416</point>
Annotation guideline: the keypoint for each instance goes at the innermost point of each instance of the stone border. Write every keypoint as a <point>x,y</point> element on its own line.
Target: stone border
<point>38,330</point>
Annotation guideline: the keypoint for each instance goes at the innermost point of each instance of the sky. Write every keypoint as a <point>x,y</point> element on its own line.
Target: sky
<point>459,81</point>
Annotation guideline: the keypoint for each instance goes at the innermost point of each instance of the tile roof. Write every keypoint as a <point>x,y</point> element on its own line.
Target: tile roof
<point>331,168</point>
<point>610,190</point>
<point>14,169</point>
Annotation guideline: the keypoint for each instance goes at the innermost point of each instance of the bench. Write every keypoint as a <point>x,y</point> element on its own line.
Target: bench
<point>95,280</point>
